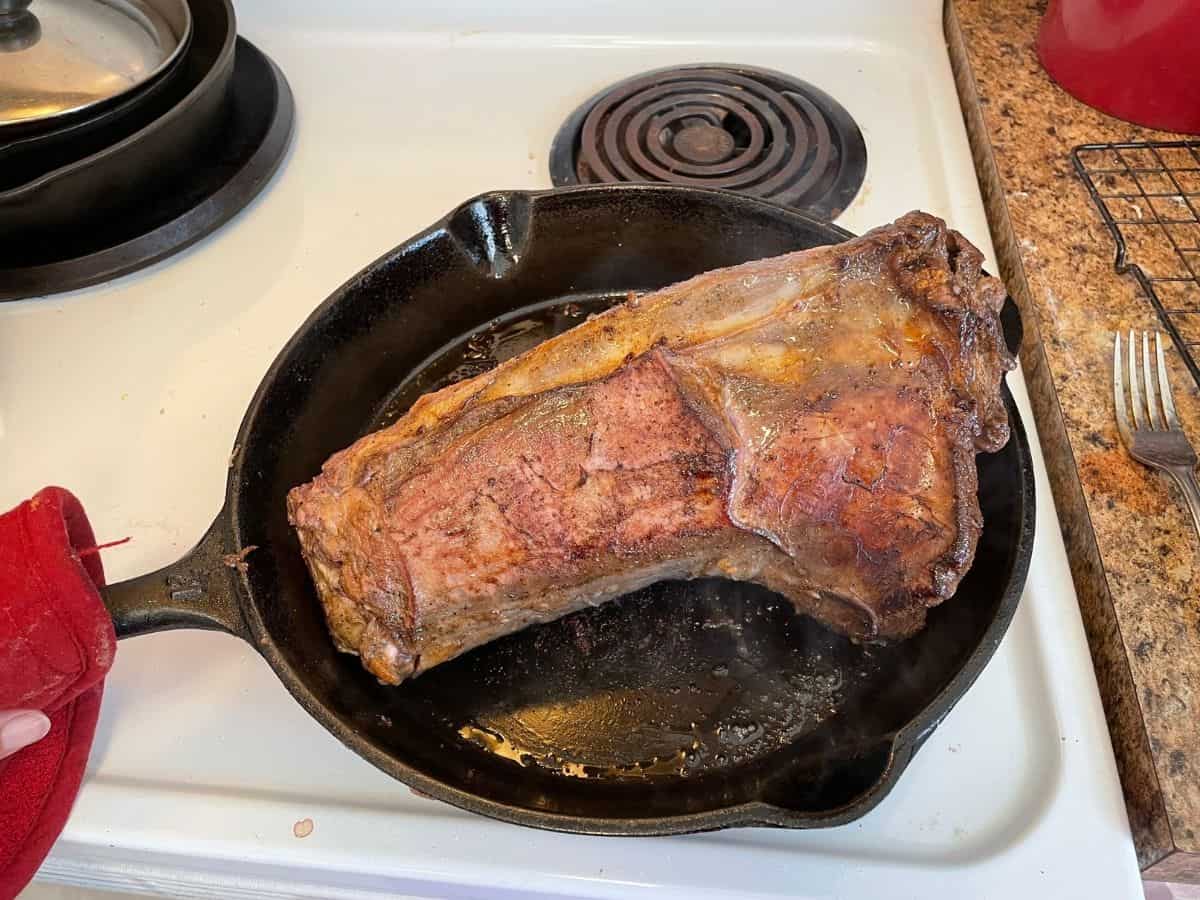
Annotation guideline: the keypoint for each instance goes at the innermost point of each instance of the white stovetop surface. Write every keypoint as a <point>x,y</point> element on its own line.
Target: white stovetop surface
<point>131,394</point>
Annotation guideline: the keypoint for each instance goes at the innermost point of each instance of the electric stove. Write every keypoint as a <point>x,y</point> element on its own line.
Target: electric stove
<point>206,778</point>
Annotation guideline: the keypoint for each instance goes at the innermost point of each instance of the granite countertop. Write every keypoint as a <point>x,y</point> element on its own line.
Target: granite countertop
<point>1134,554</point>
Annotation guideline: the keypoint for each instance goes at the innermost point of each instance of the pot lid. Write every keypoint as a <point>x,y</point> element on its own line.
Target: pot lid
<point>62,56</point>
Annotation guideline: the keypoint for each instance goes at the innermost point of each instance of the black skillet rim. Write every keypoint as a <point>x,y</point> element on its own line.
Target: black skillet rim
<point>904,743</point>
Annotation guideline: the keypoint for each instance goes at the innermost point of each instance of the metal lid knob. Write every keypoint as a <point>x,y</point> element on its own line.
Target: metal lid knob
<point>19,28</point>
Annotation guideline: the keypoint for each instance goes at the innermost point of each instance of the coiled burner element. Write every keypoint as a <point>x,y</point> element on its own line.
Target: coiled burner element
<point>749,130</point>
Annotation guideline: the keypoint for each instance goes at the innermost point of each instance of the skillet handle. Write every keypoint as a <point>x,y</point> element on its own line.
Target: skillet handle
<point>198,591</point>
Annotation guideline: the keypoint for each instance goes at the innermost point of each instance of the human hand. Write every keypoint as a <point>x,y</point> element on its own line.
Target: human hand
<point>19,728</point>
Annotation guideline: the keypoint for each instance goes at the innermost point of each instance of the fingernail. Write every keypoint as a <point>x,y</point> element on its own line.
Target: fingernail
<point>22,731</point>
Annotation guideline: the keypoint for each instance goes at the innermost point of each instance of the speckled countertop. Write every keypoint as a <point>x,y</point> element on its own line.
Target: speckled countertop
<point>1134,554</point>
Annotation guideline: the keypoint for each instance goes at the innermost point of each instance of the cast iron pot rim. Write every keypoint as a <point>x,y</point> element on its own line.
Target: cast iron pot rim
<point>904,742</point>
<point>222,61</point>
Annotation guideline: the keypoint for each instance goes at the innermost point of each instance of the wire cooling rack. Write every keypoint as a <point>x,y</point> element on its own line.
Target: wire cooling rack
<point>1149,193</point>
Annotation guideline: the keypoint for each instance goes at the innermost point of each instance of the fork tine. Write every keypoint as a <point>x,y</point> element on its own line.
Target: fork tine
<point>1119,392</point>
<point>1164,385</point>
<point>1135,392</point>
<point>1152,392</point>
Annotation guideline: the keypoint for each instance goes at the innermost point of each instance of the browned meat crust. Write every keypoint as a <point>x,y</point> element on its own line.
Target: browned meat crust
<point>807,422</point>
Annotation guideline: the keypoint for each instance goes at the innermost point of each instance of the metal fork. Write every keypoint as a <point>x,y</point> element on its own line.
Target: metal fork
<point>1156,437</point>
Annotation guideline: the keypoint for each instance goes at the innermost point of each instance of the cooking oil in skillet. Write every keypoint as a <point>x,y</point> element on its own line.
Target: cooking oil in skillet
<point>676,680</point>
<point>501,746</point>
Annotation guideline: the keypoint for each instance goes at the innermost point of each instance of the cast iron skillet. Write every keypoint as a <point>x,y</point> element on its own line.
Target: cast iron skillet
<point>684,707</point>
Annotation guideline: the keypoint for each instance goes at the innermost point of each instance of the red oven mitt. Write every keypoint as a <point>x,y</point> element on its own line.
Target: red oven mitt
<point>56,645</point>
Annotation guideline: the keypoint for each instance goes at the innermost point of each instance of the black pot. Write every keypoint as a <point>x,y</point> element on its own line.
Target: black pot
<point>610,684</point>
<point>29,153</point>
<point>93,172</point>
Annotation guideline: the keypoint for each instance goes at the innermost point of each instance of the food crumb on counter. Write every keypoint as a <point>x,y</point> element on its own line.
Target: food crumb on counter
<point>303,828</point>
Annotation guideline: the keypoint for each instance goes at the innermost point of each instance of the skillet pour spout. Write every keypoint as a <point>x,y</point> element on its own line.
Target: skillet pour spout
<point>685,706</point>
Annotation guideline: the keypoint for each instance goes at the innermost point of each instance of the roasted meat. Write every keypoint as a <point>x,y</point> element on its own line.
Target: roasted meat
<point>808,422</point>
